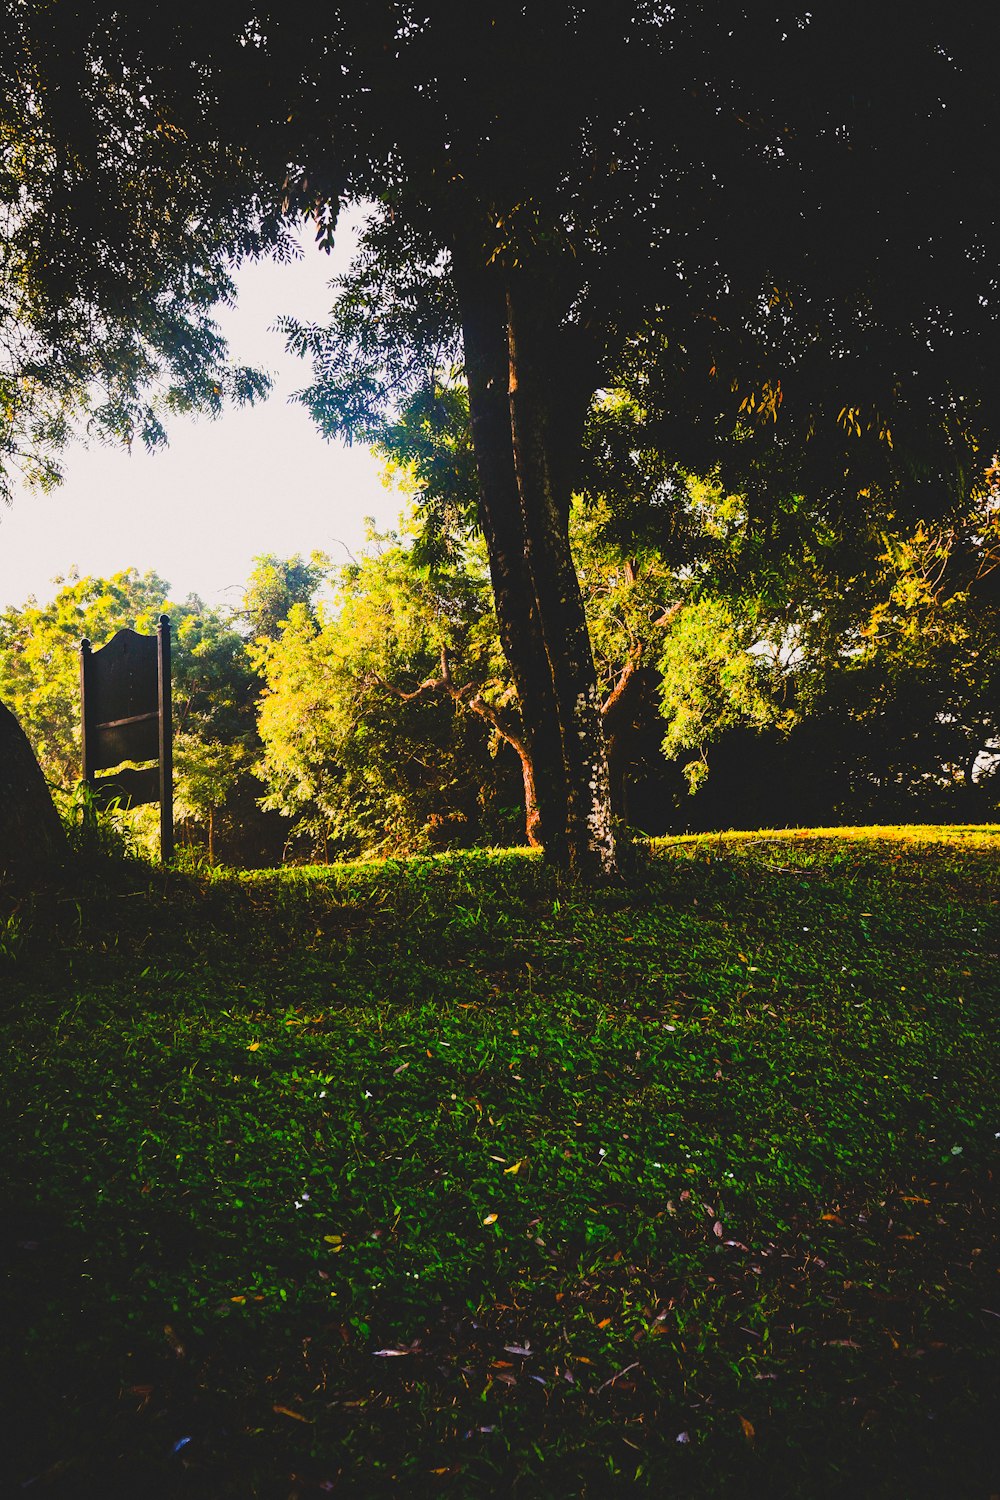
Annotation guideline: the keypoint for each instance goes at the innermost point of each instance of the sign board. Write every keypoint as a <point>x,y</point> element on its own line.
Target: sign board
<point>126,711</point>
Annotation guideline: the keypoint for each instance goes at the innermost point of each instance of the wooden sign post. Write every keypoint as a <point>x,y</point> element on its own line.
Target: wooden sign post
<point>126,712</point>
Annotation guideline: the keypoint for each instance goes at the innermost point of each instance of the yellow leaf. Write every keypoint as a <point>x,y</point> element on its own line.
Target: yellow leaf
<point>748,1431</point>
<point>286,1411</point>
<point>333,1239</point>
<point>254,1047</point>
<point>490,1219</point>
<point>513,1171</point>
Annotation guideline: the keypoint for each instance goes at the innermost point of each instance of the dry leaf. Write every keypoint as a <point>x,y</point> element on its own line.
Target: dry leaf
<point>286,1411</point>
<point>491,1218</point>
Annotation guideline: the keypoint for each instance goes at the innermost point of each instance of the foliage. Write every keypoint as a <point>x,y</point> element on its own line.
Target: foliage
<point>40,660</point>
<point>442,1174</point>
<point>274,586</point>
<point>357,744</point>
<point>710,682</point>
<point>123,211</point>
<point>385,719</point>
<point>878,663</point>
<point>212,681</point>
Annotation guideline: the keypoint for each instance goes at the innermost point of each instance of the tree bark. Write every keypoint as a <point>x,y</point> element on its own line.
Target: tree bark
<point>31,836</point>
<point>547,410</point>
<point>527,403</point>
<point>484,327</point>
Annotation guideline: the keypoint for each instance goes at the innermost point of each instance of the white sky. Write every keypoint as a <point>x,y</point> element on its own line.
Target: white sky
<point>256,480</point>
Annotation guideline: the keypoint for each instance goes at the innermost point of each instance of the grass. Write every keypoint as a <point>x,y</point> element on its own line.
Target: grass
<point>442,1174</point>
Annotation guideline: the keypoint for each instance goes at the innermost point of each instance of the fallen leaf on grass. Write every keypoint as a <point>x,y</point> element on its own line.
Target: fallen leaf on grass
<point>286,1411</point>
<point>491,1218</point>
<point>253,1047</point>
<point>173,1341</point>
<point>748,1429</point>
<point>513,1171</point>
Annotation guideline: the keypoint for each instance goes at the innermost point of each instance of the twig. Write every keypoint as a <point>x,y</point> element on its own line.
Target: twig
<point>633,1366</point>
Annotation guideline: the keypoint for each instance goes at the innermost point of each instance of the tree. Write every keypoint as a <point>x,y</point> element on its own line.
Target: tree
<point>584,239</point>
<point>386,717</point>
<point>583,232</point>
<point>274,586</point>
<point>390,717</point>
<point>872,667</point>
<point>214,687</point>
<point>120,229</point>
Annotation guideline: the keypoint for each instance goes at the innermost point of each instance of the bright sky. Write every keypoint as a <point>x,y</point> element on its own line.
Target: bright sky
<point>256,480</point>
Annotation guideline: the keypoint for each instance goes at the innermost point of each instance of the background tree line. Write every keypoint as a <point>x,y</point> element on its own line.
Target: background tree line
<point>367,707</point>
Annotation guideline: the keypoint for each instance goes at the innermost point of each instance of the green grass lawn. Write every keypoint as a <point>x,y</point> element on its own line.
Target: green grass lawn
<point>442,1176</point>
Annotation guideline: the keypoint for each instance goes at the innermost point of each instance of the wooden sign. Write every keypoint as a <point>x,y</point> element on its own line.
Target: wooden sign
<point>126,709</point>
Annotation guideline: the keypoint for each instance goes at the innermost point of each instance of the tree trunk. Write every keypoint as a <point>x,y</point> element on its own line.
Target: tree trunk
<point>31,835</point>
<point>546,420</point>
<point>527,413</point>
<point>532,817</point>
<point>486,367</point>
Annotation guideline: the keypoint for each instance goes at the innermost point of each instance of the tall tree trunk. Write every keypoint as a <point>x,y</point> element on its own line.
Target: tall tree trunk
<point>484,326</point>
<point>547,411</point>
<point>31,835</point>
<point>527,420</point>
